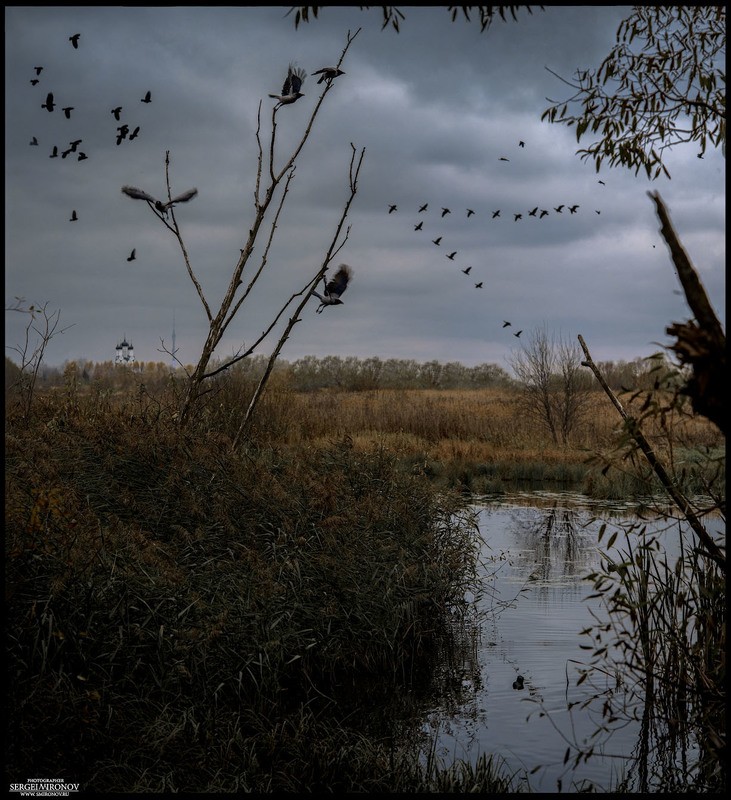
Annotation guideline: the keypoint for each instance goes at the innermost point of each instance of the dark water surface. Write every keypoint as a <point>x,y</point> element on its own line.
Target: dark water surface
<point>536,550</point>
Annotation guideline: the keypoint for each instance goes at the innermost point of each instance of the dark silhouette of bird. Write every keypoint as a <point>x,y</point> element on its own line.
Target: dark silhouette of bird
<point>34,141</point>
<point>67,111</point>
<point>75,144</point>
<point>437,241</point>
<point>502,158</point>
<point>533,212</point>
<point>518,682</point>
<point>132,255</point>
<point>147,98</point>
<point>135,133</point>
<point>496,213</point>
<point>66,152</point>
<point>418,227</point>
<point>117,111</point>
<point>521,144</point>
<point>544,213</point>
<point>163,208</point>
<point>470,212</point>
<point>334,288</point>
<point>506,323</point>
<point>38,70</point>
<point>602,183</point>
<point>598,212</point>
<point>518,333</point>
<point>391,209</point>
<point>122,132</point>
<point>34,82</point>
<point>74,218</point>
<point>559,209</point>
<point>467,270</point>
<point>82,156</point>
<point>451,256</point>
<point>445,211</point>
<point>423,208</point>
<point>478,285</point>
<point>573,209</point>
<point>328,73</point>
<point>518,216</point>
<point>48,105</point>
<point>54,152</point>
<point>75,40</point>
<point>291,87</point>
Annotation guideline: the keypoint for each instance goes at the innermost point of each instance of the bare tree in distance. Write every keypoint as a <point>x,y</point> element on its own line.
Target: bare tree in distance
<point>270,177</point>
<point>555,392</point>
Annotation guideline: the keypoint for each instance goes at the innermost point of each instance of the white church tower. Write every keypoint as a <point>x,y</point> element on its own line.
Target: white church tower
<point>125,352</point>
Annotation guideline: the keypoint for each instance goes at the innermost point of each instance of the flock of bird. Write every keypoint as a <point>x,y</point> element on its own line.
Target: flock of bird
<point>50,104</point>
<point>291,91</point>
<point>537,212</point>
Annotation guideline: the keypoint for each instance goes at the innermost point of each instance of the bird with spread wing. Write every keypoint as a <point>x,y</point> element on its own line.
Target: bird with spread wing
<point>163,208</point>
<point>334,288</point>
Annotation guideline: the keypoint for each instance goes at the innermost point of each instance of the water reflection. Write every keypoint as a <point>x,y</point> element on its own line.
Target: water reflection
<point>533,602</point>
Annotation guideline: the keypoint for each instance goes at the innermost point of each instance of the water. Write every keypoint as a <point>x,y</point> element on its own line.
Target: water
<point>536,551</point>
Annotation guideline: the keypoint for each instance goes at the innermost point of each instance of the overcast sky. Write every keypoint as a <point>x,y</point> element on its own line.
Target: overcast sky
<point>436,107</point>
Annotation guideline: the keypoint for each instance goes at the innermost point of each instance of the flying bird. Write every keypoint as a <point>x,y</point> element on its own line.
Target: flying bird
<point>75,144</point>
<point>66,152</point>
<point>117,111</point>
<point>544,213</point>
<point>147,98</point>
<point>534,212</point>
<point>38,70</point>
<point>521,144</point>
<point>419,226</point>
<point>598,212</point>
<point>602,183</point>
<point>328,73</point>
<point>437,241</point>
<point>291,87</point>
<point>67,111</point>
<point>163,208</point>
<point>423,208</point>
<point>122,132</point>
<point>506,323</point>
<point>470,212</point>
<point>451,256</point>
<point>573,209</point>
<point>478,285</point>
<point>34,82</point>
<point>75,40</point>
<point>559,210</point>
<point>334,288</point>
<point>34,141</point>
<point>132,255</point>
<point>445,211</point>
<point>502,158</point>
<point>391,209</point>
<point>518,333</point>
<point>74,218</point>
<point>467,270</point>
<point>518,216</point>
<point>48,105</point>
<point>135,133</point>
<point>82,156</point>
<point>54,154</point>
<point>496,213</point>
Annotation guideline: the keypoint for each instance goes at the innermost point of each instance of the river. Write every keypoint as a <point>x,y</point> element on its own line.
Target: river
<point>536,551</point>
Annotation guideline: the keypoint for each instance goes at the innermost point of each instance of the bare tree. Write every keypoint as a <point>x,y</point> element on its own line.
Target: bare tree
<point>271,177</point>
<point>554,391</point>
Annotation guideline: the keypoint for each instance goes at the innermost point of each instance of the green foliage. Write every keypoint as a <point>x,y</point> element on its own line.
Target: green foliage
<point>667,90</point>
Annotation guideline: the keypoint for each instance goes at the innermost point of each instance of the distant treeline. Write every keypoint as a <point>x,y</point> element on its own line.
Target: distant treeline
<point>312,373</point>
